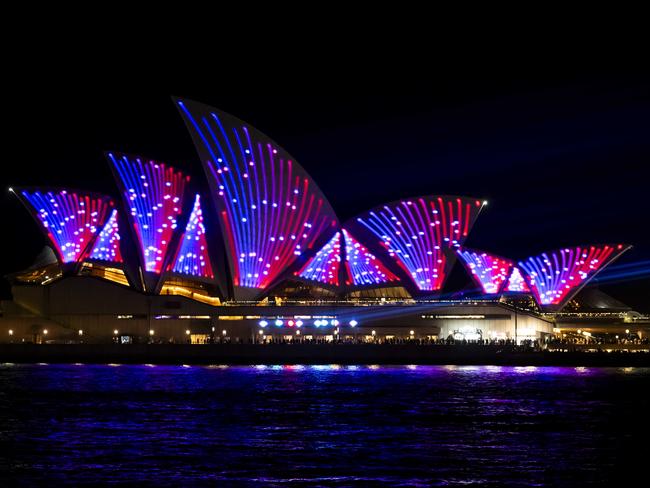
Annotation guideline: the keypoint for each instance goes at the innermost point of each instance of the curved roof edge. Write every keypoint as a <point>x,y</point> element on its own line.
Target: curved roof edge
<point>179,100</point>
<point>481,202</point>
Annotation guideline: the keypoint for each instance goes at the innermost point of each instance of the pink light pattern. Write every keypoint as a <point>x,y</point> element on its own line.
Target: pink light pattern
<point>107,245</point>
<point>416,232</point>
<point>363,267</point>
<point>324,265</point>
<point>192,257</point>
<point>487,270</point>
<point>70,220</point>
<point>153,192</point>
<point>516,282</point>
<point>556,276</point>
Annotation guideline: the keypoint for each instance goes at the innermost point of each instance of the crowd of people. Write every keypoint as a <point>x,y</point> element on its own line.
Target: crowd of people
<point>534,344</point>
<point>550,342</point>
<point>600,340</point>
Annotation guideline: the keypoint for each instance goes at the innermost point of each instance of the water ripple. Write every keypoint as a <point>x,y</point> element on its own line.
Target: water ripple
<point>321,426</point>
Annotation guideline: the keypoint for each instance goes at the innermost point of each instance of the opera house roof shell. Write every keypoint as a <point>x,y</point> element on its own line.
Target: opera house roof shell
<point>258,221</point>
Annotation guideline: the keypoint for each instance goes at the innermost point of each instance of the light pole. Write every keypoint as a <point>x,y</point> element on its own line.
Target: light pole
<point>515,305</point>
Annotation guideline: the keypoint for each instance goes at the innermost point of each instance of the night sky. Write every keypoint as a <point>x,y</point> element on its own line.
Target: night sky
<point>562,159</point>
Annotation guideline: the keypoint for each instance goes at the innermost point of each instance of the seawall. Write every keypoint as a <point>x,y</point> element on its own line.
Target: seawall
<point>310,354</point>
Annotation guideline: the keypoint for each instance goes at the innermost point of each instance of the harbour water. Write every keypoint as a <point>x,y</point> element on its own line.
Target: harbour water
<point>323,425</point>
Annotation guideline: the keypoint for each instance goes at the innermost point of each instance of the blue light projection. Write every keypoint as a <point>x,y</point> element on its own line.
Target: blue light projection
<point>487,270</point>
<point>363,267</point>
<point>270,209</point>
<point>153,193</point>
<point>555,277</point>
<point>107,245</point>
<point>192,257</point>
<point>70,220</point>
<point>416,232</point>
<point>324,265</point>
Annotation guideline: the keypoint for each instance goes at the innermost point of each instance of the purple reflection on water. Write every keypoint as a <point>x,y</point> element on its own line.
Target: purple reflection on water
<point>330,425</point>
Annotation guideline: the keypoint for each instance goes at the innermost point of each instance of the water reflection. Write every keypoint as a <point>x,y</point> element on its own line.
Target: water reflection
<point>525,369</point>
<point>327,425</point>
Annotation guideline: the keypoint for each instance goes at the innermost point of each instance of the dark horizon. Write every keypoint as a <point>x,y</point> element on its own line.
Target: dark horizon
<point>561,161</point>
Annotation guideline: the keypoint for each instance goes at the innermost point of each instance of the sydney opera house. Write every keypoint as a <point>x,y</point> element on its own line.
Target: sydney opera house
<point>253,251</point>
